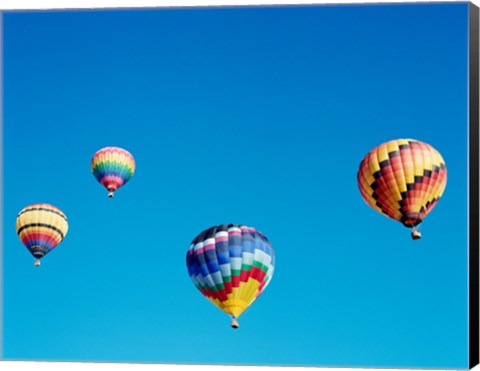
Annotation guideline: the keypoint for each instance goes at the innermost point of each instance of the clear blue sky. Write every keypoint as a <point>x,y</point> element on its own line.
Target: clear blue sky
<point>258,116</point>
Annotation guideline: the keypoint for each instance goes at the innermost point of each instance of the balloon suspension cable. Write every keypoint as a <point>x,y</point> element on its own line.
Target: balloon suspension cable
<point>37,263</point>
<point>234,323</point>
<point>416,235</point>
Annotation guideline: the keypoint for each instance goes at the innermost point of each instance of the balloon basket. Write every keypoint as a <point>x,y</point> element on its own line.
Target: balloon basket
<point>37,263</point>
<point>234,323</point>
<point>110,194</point>
<point>416,235</point>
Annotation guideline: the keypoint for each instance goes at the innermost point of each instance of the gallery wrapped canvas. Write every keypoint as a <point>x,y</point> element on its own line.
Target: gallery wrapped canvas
<point>290,185</point>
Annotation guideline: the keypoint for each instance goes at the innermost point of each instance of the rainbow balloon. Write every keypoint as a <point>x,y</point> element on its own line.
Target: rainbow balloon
<point>113,167</point>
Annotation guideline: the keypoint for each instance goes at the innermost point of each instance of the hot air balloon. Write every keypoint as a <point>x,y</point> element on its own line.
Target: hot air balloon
<point>403,179</point>
<point>231,265</point>
<point>41,227</point>
<point>113,167</point>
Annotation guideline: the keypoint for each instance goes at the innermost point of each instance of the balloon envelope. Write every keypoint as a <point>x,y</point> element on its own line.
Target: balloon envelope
<point>41,227</point>
<point>403,179</point>
<point>231,265</point>
<point>112,167</point>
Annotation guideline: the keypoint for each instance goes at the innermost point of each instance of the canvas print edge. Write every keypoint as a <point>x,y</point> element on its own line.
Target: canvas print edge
<point>474,186</point>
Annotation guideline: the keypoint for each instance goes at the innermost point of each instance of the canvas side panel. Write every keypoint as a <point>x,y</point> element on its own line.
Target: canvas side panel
<point>473,185</point>
<point>1,185</point>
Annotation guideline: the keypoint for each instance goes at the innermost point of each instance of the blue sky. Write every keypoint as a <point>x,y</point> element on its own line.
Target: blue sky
<point>258,116</point>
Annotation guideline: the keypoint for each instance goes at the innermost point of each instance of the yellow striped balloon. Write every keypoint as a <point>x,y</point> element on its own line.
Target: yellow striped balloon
<point>403,179</point>
<point>41,227</point>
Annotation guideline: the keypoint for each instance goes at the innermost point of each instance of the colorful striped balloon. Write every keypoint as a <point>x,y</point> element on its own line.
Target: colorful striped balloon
<point>403,179</point>
<point>41,227</point>
<point>231,265</point>
<point>113,167</point>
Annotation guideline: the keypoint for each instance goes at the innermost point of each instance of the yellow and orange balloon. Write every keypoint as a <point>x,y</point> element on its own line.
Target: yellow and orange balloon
<point>403,179</point>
